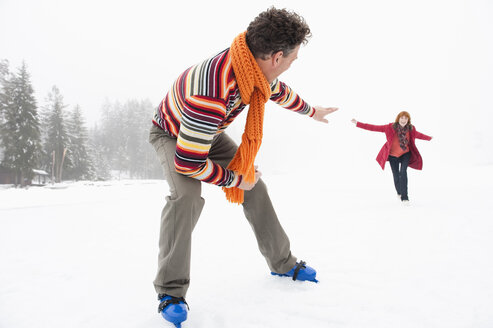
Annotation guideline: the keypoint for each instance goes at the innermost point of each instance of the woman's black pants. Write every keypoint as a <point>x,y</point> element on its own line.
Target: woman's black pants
<point>400,173</point>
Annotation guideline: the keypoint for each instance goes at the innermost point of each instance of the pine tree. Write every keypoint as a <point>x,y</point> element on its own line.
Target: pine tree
<point>143,161</point>
<point>4,77</point>
<point>82,163</point>
<point>56,138</point>
<point>4,80</point>
<point>112,138</point>
<point>4,70</point>
<point>20,126</point>
<point>122,140</point>
<point>101,165</point>
<point>134,143</point>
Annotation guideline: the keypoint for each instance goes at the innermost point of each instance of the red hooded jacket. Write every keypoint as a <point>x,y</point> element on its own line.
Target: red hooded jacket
<point>416,162</point>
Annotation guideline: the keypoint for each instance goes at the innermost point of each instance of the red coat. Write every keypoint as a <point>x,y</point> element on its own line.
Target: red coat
<point>416,162</point>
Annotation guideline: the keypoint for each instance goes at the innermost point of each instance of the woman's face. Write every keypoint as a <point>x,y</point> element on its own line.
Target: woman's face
<point>403,120</point>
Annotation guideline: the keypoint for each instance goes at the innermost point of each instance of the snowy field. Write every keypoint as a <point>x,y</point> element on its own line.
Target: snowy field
<point>84,255</point>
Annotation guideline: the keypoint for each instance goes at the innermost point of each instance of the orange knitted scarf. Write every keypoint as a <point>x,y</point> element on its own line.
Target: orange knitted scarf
<point>255,91</point>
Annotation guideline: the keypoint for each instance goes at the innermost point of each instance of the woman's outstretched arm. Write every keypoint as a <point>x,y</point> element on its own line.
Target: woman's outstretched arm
<point>422,136</point>
<point>369,127</point>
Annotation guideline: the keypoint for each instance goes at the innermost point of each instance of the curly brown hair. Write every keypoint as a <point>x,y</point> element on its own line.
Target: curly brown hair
<point>276,30</point>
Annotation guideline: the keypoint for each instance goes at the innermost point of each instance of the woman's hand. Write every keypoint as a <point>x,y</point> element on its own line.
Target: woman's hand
<point>354,121</point>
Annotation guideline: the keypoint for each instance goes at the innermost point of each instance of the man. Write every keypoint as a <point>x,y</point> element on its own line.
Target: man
<point>188,136</point>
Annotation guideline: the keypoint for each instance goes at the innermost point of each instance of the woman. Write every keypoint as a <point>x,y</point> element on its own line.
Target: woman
<point>399,149</point>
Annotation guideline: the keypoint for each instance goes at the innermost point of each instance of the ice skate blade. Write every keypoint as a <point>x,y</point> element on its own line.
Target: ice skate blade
<point>175,325</point>
<point>285,275</point>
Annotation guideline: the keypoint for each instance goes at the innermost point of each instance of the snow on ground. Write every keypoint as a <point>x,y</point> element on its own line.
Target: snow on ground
<point>84,255</point>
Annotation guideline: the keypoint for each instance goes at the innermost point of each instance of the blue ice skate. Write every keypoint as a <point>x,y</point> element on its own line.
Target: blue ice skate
<point>173,309</point>
<point>300,272</point>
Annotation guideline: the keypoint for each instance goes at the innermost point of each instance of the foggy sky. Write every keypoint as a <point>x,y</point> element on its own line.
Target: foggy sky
<point>370,59</point>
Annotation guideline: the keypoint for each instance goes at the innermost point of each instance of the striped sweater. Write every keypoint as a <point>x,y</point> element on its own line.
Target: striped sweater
<point>202,103</point>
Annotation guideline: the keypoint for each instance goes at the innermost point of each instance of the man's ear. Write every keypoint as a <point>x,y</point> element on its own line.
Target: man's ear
<point>276,58</point>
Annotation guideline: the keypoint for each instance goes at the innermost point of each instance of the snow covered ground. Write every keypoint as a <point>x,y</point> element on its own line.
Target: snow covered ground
<point>84,254</point>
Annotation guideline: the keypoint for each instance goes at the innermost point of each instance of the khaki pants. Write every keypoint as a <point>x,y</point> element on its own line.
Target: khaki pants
<point>183,208</point>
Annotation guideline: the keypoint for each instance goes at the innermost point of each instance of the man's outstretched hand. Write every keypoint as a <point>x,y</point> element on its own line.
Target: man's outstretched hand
<point>321,112</point>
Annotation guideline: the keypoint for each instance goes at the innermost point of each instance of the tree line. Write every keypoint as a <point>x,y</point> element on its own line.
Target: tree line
<point>55,139</point>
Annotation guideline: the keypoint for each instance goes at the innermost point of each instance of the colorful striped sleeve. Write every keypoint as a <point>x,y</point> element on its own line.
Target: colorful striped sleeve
<point>284,96</point>
<point>200,121</point>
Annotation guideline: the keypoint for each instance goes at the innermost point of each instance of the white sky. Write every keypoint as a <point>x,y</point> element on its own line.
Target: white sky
<point>371,59</point>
